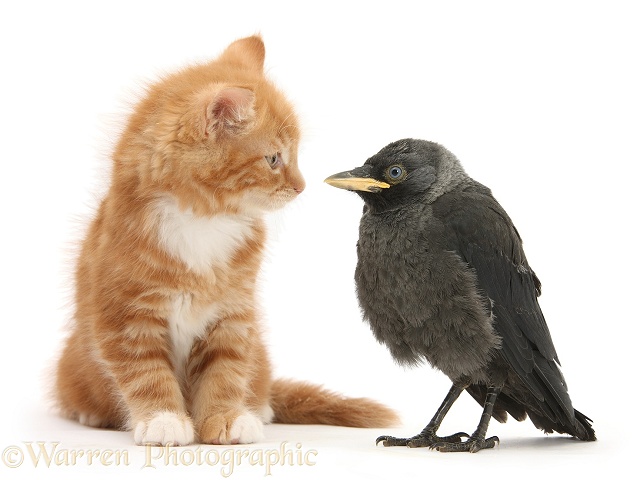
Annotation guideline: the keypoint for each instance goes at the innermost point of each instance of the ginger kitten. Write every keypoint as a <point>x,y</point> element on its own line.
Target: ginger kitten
<point>166,339</point>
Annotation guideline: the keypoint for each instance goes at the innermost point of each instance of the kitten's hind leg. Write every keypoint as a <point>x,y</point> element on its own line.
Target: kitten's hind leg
<point>92,420</point>
<point>83,390</point>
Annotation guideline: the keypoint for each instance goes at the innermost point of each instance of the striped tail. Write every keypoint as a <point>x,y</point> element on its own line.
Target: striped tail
<point>303,403</point>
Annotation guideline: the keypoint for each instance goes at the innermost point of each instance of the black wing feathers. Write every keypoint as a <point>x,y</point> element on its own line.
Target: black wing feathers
<point>481,232</point>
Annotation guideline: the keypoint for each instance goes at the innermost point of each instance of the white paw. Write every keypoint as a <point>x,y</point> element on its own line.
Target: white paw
<point>247,428</point>
<point>266,413</point>
<point>90,420</point>
<point>164,428</point>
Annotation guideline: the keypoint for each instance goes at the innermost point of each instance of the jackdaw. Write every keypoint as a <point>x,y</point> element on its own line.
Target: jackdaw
<point>442,277</point>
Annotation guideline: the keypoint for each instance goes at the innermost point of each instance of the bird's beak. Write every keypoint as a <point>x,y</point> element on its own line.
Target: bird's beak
<point>357,179</point>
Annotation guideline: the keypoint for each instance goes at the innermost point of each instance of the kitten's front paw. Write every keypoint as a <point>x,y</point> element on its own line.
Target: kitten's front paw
<point>164,428</point>
<point>223,429</point>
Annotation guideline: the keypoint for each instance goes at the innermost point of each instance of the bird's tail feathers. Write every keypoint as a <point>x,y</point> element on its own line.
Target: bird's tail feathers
<point>303,403</point>
<point>580,428</point>
<point>583,427</point>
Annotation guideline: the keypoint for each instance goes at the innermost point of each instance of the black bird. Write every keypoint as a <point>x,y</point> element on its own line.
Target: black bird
<point>442,277</point>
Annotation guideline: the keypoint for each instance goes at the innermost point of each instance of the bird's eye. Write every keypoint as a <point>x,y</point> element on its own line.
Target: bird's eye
<point>395,172</point>
<point>273,160</point>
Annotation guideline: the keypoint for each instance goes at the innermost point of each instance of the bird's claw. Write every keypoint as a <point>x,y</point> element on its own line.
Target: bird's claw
<point>428,440</point>
<point>472,445</point>
<point>388,441</point>
<point>421,440</point>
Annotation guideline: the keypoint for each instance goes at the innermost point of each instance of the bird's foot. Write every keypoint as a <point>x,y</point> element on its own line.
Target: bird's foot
<point>421,440</point>
<point>473,445</point>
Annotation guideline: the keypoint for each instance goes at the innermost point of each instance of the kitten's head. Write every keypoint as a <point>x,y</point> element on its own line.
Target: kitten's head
<point>219,137</point>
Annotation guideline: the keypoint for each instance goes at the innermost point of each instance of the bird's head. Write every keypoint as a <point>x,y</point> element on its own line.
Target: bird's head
<point>402,172</point>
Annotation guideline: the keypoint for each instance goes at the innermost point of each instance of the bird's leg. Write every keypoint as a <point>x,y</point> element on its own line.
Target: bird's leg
<point>477,441</point>
<point>428,435</point>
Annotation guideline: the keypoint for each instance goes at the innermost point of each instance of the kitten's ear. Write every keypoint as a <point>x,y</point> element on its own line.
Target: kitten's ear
<point>219,110</point>
<point>231,111</point>
<point>248,52</point>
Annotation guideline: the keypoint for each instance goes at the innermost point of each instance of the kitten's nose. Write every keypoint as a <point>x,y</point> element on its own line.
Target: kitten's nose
<point>298,184</point>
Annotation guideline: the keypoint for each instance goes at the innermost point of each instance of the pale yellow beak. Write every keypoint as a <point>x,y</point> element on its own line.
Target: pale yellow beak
<point>351,181</point>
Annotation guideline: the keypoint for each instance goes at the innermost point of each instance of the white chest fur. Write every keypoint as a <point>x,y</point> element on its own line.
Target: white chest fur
<point>186,324</point>
<point>200,242</point>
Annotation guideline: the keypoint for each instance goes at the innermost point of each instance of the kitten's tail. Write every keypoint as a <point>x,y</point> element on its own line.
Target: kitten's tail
<point>304,403</point>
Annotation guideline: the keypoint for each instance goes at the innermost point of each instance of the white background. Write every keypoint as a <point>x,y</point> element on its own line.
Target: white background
<point>540,102</point>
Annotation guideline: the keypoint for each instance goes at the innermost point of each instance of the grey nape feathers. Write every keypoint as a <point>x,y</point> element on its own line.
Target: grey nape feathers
<point>441,276</point>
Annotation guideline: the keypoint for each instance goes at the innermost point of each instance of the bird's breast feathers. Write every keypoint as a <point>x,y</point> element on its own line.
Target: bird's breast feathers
<point>422,301</point>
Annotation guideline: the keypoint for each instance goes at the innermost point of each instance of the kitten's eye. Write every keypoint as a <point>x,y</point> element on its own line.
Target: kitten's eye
<point>273,160</point>
<point>395,172</point>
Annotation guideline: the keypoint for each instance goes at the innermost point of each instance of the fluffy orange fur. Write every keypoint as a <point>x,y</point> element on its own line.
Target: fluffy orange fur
<point>166,339</point>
